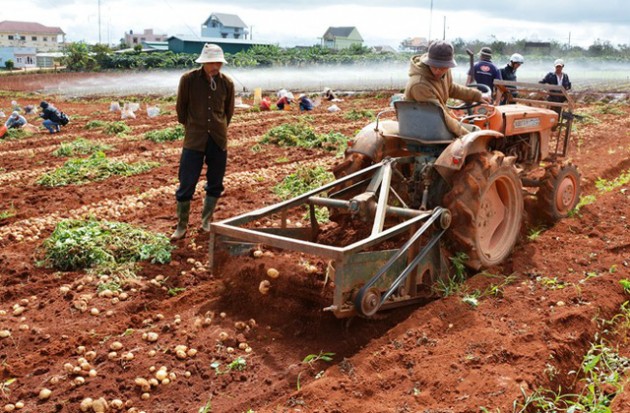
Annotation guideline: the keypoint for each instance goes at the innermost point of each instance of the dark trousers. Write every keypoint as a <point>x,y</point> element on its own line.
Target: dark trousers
<point>190,166</point>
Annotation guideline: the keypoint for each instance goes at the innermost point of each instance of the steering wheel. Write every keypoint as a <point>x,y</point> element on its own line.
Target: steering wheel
<point>466,106</point>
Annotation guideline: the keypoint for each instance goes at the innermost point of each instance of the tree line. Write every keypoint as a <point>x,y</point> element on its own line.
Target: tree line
<point>81,56</point>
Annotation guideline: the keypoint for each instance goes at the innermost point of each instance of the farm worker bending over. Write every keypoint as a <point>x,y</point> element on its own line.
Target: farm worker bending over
<point>285,100</point>
<point>305,102</point>
<point>15,121</point>
<point>51,116</point>
<point>430,80</point>
<point>205,105</point>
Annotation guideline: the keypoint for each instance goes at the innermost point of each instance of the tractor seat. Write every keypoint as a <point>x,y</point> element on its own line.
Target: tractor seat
<point>422,122</point>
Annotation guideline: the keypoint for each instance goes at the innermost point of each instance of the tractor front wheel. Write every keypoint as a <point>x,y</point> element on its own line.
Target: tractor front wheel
<point>559,193</point>
<point>486,203</point>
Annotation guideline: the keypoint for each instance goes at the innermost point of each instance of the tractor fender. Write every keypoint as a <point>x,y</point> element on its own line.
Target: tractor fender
<point>453,157</point>
<point>370,141</point>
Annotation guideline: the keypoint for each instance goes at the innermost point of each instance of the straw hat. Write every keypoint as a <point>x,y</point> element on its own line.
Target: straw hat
<point>211,53</point>
<point>558,62</point>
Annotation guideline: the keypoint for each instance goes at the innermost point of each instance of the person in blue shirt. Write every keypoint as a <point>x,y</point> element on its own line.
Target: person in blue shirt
<point>305,102</point>
<point>509,73</point>
<point>484,71</point>
<point>15,121</point>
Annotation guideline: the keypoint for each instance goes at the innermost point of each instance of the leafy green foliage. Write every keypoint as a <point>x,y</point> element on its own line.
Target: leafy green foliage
<point>116,128</point>
<point>359,114</point>
<point>77,57</point>
<point>302,135</point>
<point>95,124</point>
<point>8,213</point>
<point>455,282</point>
<point>15,134</point>
<point>305,179</point>
<point>166,135</point>
<point>625,284</point>
<point>313,358</point>
<point>602,371</point>
<point>95,168</point>
<point>608,185</point>
<point>79,244</point>
<point>80,146</point>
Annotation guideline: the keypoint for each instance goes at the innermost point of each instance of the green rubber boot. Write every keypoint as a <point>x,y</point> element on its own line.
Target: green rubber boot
<point>208,209</point>
<point>183,213</point>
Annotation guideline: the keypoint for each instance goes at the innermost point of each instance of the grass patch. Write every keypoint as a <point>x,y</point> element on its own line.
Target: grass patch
<point>93,169</point>
<point>80,146</point>
<point>166,135</point>
<point>83,244</point>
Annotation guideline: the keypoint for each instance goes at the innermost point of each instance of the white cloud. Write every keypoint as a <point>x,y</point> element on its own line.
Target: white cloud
<point>302,22</point>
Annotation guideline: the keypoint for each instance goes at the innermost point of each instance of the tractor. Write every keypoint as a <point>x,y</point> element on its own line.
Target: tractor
<point>413,194</point>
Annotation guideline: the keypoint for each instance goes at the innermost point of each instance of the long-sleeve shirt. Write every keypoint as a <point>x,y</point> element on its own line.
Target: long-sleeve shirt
<point>203,111</point>
<point>422,86</point>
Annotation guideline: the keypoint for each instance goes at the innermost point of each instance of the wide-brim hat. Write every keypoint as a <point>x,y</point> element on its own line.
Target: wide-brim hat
<point>211,53</point>
<point>440,55</point>
<point>486,52</point>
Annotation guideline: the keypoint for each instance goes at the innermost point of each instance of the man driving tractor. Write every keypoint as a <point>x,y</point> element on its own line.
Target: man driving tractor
<point>430,80</point>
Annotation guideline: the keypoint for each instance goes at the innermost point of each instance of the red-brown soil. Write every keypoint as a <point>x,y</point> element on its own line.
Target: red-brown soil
<point>444,356</point>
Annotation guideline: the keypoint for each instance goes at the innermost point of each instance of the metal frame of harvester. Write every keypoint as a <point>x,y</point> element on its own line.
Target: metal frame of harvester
<point>369,275</point>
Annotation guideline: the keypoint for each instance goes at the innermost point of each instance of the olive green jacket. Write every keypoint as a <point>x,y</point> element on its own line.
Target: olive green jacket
<point>204,111</point>
<point>422,86</point>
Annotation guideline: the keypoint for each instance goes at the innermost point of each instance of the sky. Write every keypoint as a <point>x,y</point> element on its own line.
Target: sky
<point>303,22</point>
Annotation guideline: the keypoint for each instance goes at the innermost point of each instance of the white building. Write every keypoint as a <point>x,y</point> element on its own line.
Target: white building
<point>31,35</point>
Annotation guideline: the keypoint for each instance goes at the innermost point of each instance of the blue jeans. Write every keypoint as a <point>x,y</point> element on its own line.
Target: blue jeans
<point>51,126</point>
<point>190,166</point>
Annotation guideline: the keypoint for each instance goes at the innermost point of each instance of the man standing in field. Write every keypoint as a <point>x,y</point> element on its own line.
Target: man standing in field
<point>205,105</point>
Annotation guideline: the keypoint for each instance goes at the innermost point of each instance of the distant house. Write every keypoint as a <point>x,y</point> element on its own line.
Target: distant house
<point>414,44</point>
<point>28,34</point>
<point>133,39</point>
<point>226,26</point>
<point>341,38</point>
<point>384,49</point>
<point>22,57</point>
<point>193,44</point>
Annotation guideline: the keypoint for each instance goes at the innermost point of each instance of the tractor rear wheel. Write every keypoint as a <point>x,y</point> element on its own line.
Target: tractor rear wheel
<point>486,203</point>
<point>559,193</point>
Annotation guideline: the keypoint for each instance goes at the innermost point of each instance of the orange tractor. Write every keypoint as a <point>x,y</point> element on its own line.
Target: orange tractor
<point>413,194</point>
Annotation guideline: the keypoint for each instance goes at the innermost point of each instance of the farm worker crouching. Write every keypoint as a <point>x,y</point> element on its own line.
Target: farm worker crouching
<point>15,121</point>
<point>430,80</point>
<point>305,102</point>
<point>285,101</point>
<point>265,103</point>
<point>205,105</point>
<point>51,116</point>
